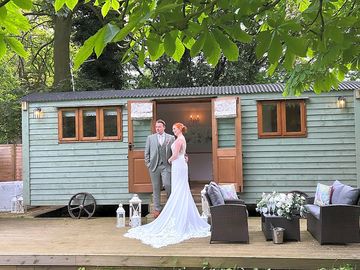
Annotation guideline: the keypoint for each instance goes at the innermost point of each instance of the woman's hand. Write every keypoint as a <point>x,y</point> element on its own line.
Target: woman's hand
<point>169,160</point>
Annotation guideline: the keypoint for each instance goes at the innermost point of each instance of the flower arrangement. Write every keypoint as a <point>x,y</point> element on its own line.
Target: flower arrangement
<point>281,204</point>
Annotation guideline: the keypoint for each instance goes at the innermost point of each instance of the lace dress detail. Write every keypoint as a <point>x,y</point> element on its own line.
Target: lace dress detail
<point>179,220</point>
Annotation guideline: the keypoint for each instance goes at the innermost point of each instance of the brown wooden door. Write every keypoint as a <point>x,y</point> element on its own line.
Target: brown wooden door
<point>226,146</point>
<point>138,130</point>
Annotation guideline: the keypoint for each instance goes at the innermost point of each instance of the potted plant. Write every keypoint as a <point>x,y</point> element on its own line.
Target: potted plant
<point>281,204</point>
<point>281,210</point>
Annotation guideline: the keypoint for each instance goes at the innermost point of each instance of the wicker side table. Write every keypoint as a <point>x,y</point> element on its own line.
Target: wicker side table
<point>291,226</point>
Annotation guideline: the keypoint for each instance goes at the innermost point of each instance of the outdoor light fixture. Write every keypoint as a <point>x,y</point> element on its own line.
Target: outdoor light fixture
<point>194,119</point>
<point>341,102</point>
<point>24,106</point>
<point>38,113</point>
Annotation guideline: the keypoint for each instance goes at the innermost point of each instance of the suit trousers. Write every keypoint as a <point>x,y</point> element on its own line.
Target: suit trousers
<point>160,177</point>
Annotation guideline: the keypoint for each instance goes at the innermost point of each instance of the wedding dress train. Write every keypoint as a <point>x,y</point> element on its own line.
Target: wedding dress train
<point>180,219</point>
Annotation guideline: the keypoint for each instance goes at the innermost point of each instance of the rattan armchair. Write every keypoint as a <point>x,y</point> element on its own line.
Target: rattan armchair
<point>229,222</point>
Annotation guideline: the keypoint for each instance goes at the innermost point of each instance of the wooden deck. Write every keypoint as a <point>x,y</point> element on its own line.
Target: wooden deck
<point>64,243</point>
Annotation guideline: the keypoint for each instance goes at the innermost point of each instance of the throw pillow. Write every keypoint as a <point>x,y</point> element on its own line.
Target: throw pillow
<point>322,195</point>
<point>228,192</point>
<point>344,194</point>
<point>215,195</point>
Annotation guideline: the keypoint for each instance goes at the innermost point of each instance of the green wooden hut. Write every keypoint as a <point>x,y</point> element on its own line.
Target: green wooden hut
<point>249,135</point>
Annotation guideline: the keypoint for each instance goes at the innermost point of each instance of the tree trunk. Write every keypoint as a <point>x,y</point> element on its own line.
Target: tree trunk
<point>62,27</point>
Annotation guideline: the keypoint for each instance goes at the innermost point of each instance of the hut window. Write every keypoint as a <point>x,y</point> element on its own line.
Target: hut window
<point>90,124</point>
<point>110,123</point>
<point>68,120</point>
<point>281,118</point>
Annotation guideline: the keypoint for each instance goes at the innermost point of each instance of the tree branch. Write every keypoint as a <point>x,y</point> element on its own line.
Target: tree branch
<point>37,14</point>
<point>3,3</point>
<point>137,67</point>
<point>322,27</point>
<point>124,11</point>
<point>265,7</point>
<point>42,47</point>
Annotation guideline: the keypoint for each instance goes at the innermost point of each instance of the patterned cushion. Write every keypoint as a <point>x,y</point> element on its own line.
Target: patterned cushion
<point>344,194</point>
<point>215,195</point>
<point>228,192</point>
<point>322,195</point>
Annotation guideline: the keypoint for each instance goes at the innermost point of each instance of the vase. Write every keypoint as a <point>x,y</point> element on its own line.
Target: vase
<point>291,226</point>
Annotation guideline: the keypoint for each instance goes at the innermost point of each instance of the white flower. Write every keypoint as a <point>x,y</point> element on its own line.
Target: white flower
<point>281,204</point>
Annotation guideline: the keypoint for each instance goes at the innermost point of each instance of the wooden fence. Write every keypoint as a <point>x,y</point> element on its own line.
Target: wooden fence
<point>10,162</point>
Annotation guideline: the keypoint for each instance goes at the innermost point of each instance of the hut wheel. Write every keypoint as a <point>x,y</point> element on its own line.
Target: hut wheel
<point>82,205</point>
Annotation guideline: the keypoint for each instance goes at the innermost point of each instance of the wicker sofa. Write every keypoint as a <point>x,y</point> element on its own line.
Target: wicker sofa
<point>229,220</point>
<point>336,223</point>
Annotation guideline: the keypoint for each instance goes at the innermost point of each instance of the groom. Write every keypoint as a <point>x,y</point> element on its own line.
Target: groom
<point>157,153</point>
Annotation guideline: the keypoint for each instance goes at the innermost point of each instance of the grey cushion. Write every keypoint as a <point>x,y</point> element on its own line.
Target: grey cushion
<point>344,194</point>
<point>313,209</point>
<point>215,195</point>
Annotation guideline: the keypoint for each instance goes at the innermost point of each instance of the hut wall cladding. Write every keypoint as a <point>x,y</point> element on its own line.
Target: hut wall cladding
<point>57,171</point>
<point>10,162</point>
<point>327,153</point>
<point>54,171</point>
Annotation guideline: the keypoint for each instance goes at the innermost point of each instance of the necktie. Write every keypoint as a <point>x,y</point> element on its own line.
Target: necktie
<point>161,139</point>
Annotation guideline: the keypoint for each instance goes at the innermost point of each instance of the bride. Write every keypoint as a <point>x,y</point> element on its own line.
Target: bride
<point>180,219</point>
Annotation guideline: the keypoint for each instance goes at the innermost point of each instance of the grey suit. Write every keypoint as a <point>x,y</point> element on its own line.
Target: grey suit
<point>156,159</point>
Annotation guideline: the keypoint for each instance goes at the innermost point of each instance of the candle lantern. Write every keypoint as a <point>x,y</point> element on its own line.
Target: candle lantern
<point>120,216</point>
<point>20,205</point>
<point>13,208</point>
<point>135,211</point>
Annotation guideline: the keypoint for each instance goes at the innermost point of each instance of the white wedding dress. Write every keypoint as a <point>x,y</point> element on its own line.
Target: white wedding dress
<point>180,219</point>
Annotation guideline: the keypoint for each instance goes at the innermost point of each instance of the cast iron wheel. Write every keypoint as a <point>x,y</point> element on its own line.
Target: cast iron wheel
<point>82,205</point>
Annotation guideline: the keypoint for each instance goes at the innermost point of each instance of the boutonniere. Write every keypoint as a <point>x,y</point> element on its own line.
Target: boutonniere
<point>167,141</point>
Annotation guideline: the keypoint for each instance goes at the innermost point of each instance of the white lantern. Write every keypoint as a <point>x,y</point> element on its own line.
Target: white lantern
<point>135,211</point>
<point>120,216</point>
<point>13,208</point>
<point>20,205</point>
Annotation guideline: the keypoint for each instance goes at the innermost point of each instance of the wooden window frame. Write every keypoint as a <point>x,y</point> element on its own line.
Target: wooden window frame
<point>81,124</point>
<point>60,124</point>
<point>99,125</point>
<point>102,126</point>
<point>281,119</point>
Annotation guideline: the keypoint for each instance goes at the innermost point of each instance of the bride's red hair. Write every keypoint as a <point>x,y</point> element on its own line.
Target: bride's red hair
<point>180,126</point>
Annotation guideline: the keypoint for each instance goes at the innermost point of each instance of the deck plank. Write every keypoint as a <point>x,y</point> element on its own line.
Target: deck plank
<point>97,242</point>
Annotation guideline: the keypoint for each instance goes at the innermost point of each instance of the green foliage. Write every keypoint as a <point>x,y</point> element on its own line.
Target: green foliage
<point>315,42</point>
<point>12,23</point>
<point>10,111</point>
<point>302,38</point>
<point>191,72</point>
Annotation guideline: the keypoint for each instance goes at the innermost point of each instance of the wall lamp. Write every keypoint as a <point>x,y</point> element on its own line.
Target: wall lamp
<point>194,119</point>
<point>38,113</point>
<point>341,102</point>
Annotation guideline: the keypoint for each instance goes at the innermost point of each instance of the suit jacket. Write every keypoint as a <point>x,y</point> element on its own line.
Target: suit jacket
<point>151,151</point>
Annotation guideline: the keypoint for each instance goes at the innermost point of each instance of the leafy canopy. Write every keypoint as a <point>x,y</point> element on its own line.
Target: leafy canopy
<point>317,42</point>
<point>12,22</point>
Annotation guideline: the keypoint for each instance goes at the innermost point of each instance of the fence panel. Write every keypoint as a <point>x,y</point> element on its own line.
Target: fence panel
<point>10,162</point>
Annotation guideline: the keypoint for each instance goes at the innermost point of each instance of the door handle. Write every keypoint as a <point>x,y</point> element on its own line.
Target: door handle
<point>130,146</point>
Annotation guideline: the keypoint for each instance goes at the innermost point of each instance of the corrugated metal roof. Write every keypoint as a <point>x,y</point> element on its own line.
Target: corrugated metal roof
<point>170,92</point>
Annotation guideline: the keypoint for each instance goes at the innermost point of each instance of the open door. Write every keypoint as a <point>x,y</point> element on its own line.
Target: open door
<point>140,124</point>
<point>226,141</point>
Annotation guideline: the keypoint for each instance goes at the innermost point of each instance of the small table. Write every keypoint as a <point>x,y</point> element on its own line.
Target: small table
<point>291,226</point>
